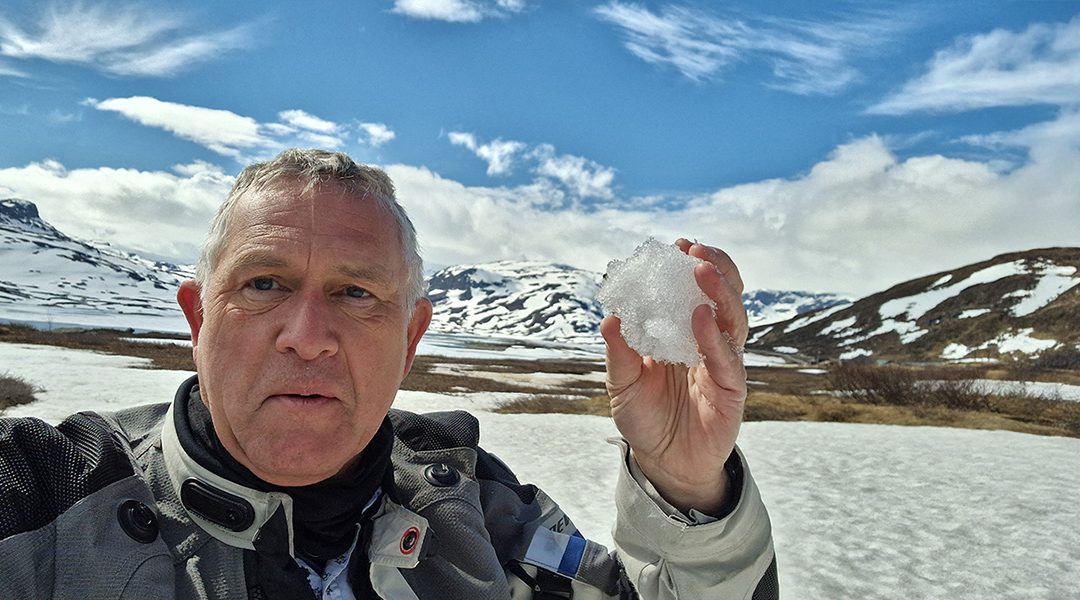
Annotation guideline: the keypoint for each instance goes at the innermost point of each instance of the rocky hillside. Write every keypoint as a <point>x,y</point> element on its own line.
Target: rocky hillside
<point>516,298</point>
<point>48,276</point>
<point>1015,304</point>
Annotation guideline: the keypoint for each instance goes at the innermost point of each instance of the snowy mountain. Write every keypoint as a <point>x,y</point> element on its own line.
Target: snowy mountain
<point>771,306</point>
<point>47,276</point>
<point>558,302</point>
<point>517,298</point>
<point>1021,303</point>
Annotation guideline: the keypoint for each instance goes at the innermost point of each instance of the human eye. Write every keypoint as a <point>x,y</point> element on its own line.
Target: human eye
<point>263,284</point>
<point>355,291</point>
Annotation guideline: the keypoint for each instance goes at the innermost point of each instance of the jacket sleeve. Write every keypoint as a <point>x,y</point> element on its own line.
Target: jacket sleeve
<point>666,556</point>
<point>45,470</point>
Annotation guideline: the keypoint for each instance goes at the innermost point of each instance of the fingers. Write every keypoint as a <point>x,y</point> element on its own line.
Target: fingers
<point>716,256</point>
<point>723,360</point>
<point>730,313</point>
<point>623,363</point>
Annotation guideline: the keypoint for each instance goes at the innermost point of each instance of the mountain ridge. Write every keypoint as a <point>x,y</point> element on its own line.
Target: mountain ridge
<point>1016,303</point>
<point>1020,302</point>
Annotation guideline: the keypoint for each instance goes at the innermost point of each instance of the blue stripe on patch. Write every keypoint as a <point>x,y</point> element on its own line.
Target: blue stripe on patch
<point>571,558</point>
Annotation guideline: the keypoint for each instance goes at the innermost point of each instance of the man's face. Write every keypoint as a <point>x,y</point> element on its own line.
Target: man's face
<point>303,336</point>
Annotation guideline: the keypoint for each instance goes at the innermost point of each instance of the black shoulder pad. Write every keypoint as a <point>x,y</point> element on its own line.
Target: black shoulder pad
<point>137,422</point>
<point>45,470</point>
<point>436,430</point>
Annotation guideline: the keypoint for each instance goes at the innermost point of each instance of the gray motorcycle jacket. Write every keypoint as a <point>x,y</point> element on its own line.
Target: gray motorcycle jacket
<point>110,506</point>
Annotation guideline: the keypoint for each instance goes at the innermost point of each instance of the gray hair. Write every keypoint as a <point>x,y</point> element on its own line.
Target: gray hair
<point>311,168</point>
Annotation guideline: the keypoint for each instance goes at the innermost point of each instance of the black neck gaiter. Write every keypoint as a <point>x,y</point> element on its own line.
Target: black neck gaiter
<point>325,514</point>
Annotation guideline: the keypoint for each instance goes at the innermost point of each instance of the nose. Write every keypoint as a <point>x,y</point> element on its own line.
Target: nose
<point>308,328</point>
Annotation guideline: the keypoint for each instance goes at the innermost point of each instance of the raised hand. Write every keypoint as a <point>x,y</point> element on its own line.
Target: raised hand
<point>681,423</point>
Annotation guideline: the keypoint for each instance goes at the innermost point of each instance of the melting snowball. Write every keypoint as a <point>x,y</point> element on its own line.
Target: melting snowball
<point>654,294</point>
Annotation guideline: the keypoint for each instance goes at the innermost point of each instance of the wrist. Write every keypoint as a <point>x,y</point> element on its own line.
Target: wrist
<point>708,494</point>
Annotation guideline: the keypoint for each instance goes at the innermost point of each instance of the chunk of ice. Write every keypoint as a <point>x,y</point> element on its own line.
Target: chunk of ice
<point>654,294</point>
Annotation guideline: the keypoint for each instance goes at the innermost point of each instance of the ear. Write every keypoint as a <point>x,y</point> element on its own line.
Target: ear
<point>418,324</point>
<point>191,303</point>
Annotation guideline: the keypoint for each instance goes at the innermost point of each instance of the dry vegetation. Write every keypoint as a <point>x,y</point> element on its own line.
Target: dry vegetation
<point>164,356</point>
<point>439,374</point>
<point>15,390</point>
<point>855,393</point>
<point>942,396</point>
<point>598,406</point>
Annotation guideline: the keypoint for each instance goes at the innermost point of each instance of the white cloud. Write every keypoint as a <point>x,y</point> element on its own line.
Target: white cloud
<point>498,154</point>
<point>319,140</point>
<point>1060,133</point>
<point>585,178</point>
<point>581,177</point>
<point>805,57</point>
<point>199,168</point>
<point>462,224</point>
<point>375,134</point>
<point>859,221</point>
<point>120,39</point>
<point>237,136</point>
<point>303,120</point>
<point>1040,65</point>
<point>222,131</point>
<point>683,39</point>
<point>457,11</point>
<point>156,212</point>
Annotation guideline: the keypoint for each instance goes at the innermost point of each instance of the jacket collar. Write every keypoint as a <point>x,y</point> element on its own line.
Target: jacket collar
<point>232,513</point>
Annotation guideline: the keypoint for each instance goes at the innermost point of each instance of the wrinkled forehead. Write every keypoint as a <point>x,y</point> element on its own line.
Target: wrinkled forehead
<point>289,195</point>
<point>326,217</point>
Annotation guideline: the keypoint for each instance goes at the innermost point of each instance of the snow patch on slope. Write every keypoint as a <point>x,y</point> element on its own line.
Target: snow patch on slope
<point>1054,281</point>
<point>914,307</point>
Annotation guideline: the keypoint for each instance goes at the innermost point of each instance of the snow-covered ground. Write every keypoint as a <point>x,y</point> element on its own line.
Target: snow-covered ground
<point>859,511</point>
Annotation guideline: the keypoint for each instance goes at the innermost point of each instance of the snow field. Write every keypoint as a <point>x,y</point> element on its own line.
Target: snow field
<point>858,511</point>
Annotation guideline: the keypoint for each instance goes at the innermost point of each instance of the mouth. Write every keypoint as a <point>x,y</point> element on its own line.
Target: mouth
<point>301,399</point>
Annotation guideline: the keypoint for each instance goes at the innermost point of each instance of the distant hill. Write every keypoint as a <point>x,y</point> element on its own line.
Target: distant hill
<point>46,275</point>
<point>558,302</point>
<point>771,306</point>
<point>1020,303</point>
<point>516,298</point>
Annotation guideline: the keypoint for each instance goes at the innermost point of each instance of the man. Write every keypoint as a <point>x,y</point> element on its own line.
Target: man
<point>280,471</point>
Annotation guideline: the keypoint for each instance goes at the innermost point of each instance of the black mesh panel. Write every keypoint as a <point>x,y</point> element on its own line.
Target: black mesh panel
<point>436,430</point>
<point>769,586</point>
<point>44,470</point>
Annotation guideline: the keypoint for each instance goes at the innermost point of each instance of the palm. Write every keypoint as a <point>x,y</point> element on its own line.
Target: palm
<point>679,415</point>
<point>680,422</point>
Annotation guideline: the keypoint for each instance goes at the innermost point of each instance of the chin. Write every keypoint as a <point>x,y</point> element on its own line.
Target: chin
<point>298,462</point>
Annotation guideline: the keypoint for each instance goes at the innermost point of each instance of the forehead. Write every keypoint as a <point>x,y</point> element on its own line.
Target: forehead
<point>327,217</point>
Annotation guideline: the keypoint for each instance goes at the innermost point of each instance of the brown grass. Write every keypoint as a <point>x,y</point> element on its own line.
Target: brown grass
<point>783,394</point>
<point>1043,417</point>
<point>15,390</point>
<point>596,405</point>
<point>163,356</point>
<point>424,377</point>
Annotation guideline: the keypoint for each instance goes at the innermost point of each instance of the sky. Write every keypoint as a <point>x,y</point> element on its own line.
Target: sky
<point>827,146</point>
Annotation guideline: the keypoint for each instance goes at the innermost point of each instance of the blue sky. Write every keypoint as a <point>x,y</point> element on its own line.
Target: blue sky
<point>834,146</point>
